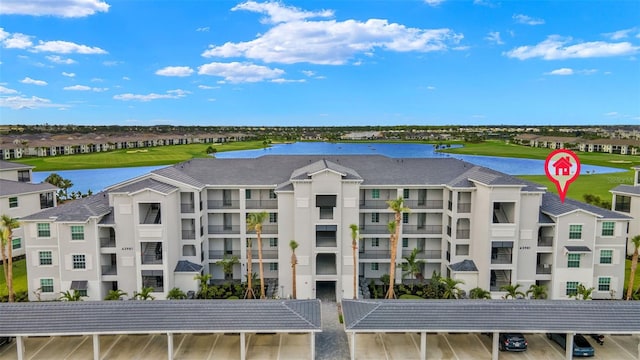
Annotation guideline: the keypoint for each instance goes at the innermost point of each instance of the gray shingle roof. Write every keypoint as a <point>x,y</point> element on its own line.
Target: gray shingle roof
<point>76,210</point>
<point>551,205</point>
<point>187,266</point>
<point>544,219</point>
<point>465,265</point>
<point>9,187</point>
<point>8,165</point>
<point>492,315</point>
<point>160,316</point>
<point>627,189</point>
<point>577,248</point>
<point>306,171</point>
<point>143,184</point>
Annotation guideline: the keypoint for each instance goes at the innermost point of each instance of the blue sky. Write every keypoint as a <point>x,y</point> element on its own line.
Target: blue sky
<point>308,63</point>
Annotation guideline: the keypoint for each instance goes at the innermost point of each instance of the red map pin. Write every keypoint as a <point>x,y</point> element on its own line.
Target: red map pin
<point>562,168</point>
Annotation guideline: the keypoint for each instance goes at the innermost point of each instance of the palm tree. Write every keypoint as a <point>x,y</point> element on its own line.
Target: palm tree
<point>176,294</point>
<point>70,296</point>
<point>412,266</point>
<point>227,265</point>
<point>7,225</point>
<point>294,261</point>
<point>115,295</point>
<point>451,289</point>
<point>144,294</point>
<point>354,247</point>
<point>479,293</point>
<point>582,292</point>
<point>537,291</point>
<point>634,265</point>
<point>512,291</point>
<point>398,208</point>
<point>249,294</point>
<point>203,292</point>
<point>254,222</point>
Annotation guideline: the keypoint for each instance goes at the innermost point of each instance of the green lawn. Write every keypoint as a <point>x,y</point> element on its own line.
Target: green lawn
<point>19,277</point>
<point>627,271</point>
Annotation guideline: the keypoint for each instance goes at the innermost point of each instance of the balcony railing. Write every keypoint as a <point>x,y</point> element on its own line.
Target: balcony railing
<point>375,254</point>
<point>109,270</point>
<point>464,207</point>
<point>266,229</point>
<point>543,269</point>
<point>187,208</point>
<point>224,229</point>
<point>374,204</point>
<point>223,204</point>
<point>424,254</point>
<point>188,234</point>
<point>545,240</point>
<point>422,229</point>
<point>220,254</point>
<point>463,233</point>
<point>108,242</point>
<point>424,204</point>
<point>262,204</point>
<point>501,258</point>
<point>497,285</point>
<point>151,259</point>
<point>374,229</point>
<point>266,254</point>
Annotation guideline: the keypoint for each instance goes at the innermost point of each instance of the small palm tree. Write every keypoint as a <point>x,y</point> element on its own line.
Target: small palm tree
<point>7,225</point>
<point>582,292</point>
<point>634,265</point>
<point>115,295</point>
<point>479,293</point>
<point>354,248</point>
<point>203,291</point>
<point>254,222</point>
<point>397,206</point>
<point>537,292</point>
<point>176,294</point>
<point>70,296</point>
<point>412,267</point>
<point>451,289</point>
<point>227,266</point>
<point>144,294</point>
<point>512,291</point>
<point>294,261</point>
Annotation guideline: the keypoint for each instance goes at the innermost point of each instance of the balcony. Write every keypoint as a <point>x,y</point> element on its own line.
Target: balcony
<point>220,254</point>
<point>266,229</point>
<point>464,207</point>
<point>463,233</point>
<point>223,204</point>
<point>186,208</point>
<point>424,254</point>
<point>107,242</point>
<point>188,234</point>
<point>422,229</point>
<point>109,270</point>
<point>151,259</point>
<point>224,229</point>
<point>501,258</point>
<point>262,204</point>
<point>266,254</point>
<point>543,268</point>
<point>374,229</point>
<point>545,240</point>
<point>375,254</point>
<point>424,204</point>
<point>374,204</point>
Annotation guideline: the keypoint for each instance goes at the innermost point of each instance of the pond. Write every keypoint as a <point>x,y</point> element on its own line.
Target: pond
<point>98,179</point>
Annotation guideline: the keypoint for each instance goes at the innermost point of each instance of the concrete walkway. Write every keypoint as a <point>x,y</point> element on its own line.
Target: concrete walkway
<point>331,343</point>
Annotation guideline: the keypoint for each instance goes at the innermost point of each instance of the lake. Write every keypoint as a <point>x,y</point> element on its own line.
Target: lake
<point>98,179</point>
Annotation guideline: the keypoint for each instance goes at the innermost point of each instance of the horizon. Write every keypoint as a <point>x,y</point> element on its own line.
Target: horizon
<point>320,64</point>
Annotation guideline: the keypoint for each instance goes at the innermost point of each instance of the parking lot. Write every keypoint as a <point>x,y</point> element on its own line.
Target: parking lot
<point>296,346</point>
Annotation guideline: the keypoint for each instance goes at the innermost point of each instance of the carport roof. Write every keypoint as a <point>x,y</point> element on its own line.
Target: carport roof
<point>161,316</point>
<point>528,316</point>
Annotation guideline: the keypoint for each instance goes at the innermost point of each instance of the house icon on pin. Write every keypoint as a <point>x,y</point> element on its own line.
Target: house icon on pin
<point>562,166</point>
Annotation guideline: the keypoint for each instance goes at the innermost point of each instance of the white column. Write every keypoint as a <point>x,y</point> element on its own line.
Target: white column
<point>20,347</point>
<point>494,346</point>
<point>170,346</point>
<point>568,350</point>
<point>243,350</point>
<point>313,345</point>
<point>423,345</point>
<point>353,345</point>
<point>96,347</point>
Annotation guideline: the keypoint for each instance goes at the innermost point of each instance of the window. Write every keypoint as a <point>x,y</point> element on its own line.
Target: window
<point>572,288</point>
<point>405,218</point>
<point>46,285</point>
<point>623,203</point>
<point>82,292</point>
<point>374,266</point>
<point>272,194</point>
<point>606,256</point>
<point>273,242</point>
<point>604,284</point>
<point>273,266</point>
<point>273,218</point>
<point>573,260</point>
<point>13,202</point>
<point>43,230</point>
<point>77,232</point>
<point>375,193</point>
<point>375,217</point>
<point>79,261</point>
<point>24,176</point>
<point>405,242</point>
<point>607,228</point>
<point>247,193</point>
<point>405,193</point>
<point>375,242</point>
<point>46,200</point>
<point>150,213</point>
<point>45,258</point>
<point>16,243</point>
<point>575,232</point>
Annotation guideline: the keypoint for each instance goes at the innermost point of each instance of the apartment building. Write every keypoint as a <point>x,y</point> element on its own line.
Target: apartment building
<point>471,223</point>
<point>20,197</point>
<point>626,200</point>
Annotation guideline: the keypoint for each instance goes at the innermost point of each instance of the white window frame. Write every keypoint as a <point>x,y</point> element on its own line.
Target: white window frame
<point>613,229</point>
<point>42,286</point>
<point>13,202</point>
<point>40,231</point>
<point>608,283</point>
<point>375,218</point>
<point>610,258</point>
<point>75,227</point>
<point>40,257</point>
<point>82,262</point>
<point>273,266</point>
<point>581,232</point>
<point>569,260</point>
<point>375,266</point>
<point>273,242</point>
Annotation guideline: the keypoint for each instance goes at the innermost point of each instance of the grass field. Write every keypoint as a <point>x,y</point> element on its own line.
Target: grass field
<point>19,277</point>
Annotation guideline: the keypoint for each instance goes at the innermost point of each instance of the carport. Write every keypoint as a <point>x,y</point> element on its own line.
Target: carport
<point>489,316</point>
<point>159,317</point>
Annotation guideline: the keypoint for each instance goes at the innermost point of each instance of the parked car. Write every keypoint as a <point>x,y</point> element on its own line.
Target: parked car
<point>512,342</point>
<point>4,340</point>
<point>581,347</point>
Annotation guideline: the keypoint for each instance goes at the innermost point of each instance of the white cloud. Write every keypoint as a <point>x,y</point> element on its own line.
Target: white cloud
<point>21,102</point>
<point>125,78</point>
<point>434,2</point>
<point>431,87</point>
<point>485,3</point>
<point>203,29</point>
<point>66,47</point>
<point>308,73</point>
<point>60,60</point>
<point>16,40</point>
<point>236,72</point>
<point>84,88</point>
<point>277,12</point>
<point>31,81</point>
<point>612,113</point>
<point>527,20</point>
<point>207,87</point>
<point>5,90</point>
<point>111,63</point>
<point>171,94</point>
<point>561,71</point>
<point>620,34</point>
<point>556,47</point>
<point>329,42</point>
<point>282,81</point>
<point>494,37</point>
<point>68,74</point>
<point>62,8</point>
<point>180,71</point>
